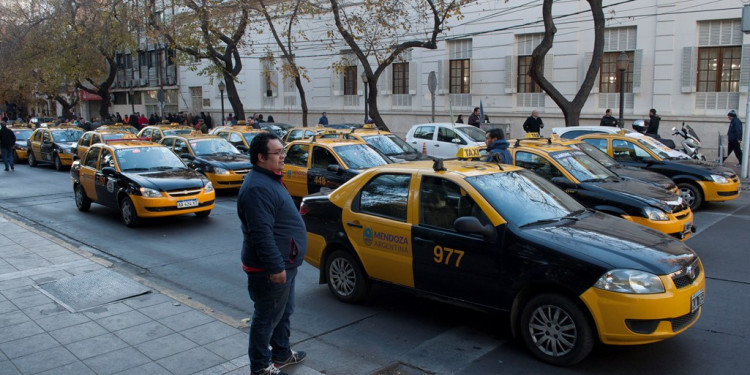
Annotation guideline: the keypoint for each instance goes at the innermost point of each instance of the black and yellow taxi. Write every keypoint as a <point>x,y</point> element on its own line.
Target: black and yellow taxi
<point>53,145</point>
<point>502,238</point>
<point>384,141</point>
<point>239,136</point>
<point>301,133</point>
<point>215,157</point>
<point>22,133</point>
<point>120,127</point>
<point>155,133</point>
<point>142,180</point>
<point>315,163</point>
<point>98,136</point>
<point>598,188</point>
<point>698,181</point>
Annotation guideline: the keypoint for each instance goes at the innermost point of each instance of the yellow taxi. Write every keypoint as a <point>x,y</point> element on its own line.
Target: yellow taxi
<point>384,141</point>
<point>22,133</point>
<point>502,238</point>
<point>53,146</point>
<point>698,181</point>
<point>142,180</point>
<point>212,156</point>
<point>98,136</point>
<point>238,136</point>
<point>120,127</point>
<point>599,188</point>
<point>155,133</point>
<point>300,133</point>
<point>313,164</point>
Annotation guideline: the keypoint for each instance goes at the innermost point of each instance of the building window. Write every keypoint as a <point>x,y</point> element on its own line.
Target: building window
<point>609,76</point>
<point>525,83</point>
<point>350,80</point>
<point>400,78</point>
<point>719,69</point>
<point>460,76</point>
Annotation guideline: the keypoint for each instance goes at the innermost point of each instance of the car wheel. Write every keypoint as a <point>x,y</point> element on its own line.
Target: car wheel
<point>82,201</point>
<point>128,214</point>
<point>691,193</point>
<point>203,213</point>
<point>556,330</point>
<point>346,280</point>
<point>32,159</point>
<point>58,163</point>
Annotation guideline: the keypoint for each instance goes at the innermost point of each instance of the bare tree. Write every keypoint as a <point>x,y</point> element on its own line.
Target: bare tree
<point>571,109</point>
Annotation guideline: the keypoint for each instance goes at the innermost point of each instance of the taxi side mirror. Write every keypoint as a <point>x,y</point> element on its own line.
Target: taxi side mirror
<point>336,168</point>
<point>187,156</point>
<point>563,182</point>
<point>471,225</point>
<point>456,140</point>
<point>109,171</point>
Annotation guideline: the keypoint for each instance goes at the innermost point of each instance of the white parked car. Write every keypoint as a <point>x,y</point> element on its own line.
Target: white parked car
<point>443,140</point>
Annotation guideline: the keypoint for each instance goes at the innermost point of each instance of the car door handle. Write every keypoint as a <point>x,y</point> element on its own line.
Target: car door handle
<point>354,224</point>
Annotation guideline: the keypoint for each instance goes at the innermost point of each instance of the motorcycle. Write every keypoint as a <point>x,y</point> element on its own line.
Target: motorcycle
<point>641,127</point>
<point>691,144</point>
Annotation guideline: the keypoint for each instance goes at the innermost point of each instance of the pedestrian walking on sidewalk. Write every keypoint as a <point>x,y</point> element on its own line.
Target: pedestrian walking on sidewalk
<point>734,136</point>
<point>274,245</point>
<point>7,143</point>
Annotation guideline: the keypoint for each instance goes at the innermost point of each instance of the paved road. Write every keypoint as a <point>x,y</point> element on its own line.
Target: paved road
<point>393,332</point>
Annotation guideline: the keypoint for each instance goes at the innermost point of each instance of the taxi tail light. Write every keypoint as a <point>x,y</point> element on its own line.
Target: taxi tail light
<point>303,208</point>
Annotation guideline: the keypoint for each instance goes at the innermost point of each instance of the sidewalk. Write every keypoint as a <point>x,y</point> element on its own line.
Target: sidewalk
<point>150,333</point>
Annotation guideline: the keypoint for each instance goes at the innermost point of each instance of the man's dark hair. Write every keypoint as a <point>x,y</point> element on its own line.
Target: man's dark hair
<point>652,111</point>
<point>476,109</point>
<point>496,133</point>
<point>259,145</point>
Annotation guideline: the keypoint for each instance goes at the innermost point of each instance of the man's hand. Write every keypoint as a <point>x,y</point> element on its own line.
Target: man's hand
<point>278,278</point>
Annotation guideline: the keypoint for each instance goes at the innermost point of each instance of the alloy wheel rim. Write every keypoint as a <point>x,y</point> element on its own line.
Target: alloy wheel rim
<point>553,330</point>
<point>342,276</point>
<point>688,196</point>
<point>126,211</point>
<point>79,197</point>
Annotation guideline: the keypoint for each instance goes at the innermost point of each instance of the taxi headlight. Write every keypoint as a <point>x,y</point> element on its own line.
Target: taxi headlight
<point>218,170</point>
<point>719,179</point>
<point>149,193</point>
<point>655,214</point>
<point>630,281</point>
<point>209,187</point>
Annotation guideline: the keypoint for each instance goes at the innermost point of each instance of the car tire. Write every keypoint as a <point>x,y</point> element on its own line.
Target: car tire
<point>203,213</point>
<point>32,159</point>
<point>691,194</point>
<point>58,163</point>
<point>128,213</point>
<point>345,277</point>
<point>83,203</point>
<point>556,330</point>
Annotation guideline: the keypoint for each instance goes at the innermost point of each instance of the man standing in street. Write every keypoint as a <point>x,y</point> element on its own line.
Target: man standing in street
<point>608,119</point>
<point>653,123</point>
<point>734,136</point>
<point>274,245</point>
<point>7,143</point>
<point>533,123</point>
<point>474,118</point>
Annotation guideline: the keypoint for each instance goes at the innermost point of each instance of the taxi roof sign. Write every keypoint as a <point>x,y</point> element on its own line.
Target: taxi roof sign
<point>468,153</point>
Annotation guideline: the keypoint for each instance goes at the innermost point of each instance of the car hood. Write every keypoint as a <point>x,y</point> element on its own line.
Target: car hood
<point>66,145</point>
<point>169,180</point>
<point>615,243</point>
<point>650,194</point>
<point>230,162</point>
<point>644,175</point>
<point>706,166</point>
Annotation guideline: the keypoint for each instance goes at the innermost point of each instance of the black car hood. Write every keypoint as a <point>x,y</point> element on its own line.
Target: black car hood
<point>230,162</point>
<point>706,166</point>
<point>614,242</point>
<point>642,191</point>
<point>169,180</point>
<point>644,175</point>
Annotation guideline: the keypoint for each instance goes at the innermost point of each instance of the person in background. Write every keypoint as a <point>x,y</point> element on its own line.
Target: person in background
<point>608,119</point>
<point>734,136</point>
<point>7,144</point>
<point>653,123</point>
<point>270,118</point>
<point>323,119</point>
<point>460,119</point>
<point>474,118</point>
<point>533,123</point>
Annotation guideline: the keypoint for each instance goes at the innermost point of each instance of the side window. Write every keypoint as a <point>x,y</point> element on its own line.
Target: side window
<point>309,133</point>
<point>46,137</point>
<point>295,135</point>
<point>598,143</point>
<point>538,164</point>
<point>424,132</point>
<point>169,142</point>
<point>575,133</point>
<point>92,156</point>
<point>235,139</point>
<point>322,158</point>
<point>107,160</point>
<point>86,139</point>
<point>624,150</point>
<point>448,135</point>
<point>297,155</point>
<point>180,147</point>
<point>222,135</point>
<point>441,202</point>
<point>156,135</point>
<point>147,133</point>
<point>386,195</point>
<point>96,139</point>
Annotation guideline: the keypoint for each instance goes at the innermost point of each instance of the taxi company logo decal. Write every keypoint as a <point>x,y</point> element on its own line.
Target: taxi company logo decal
<point>110,185</point>
<point>386,241</point>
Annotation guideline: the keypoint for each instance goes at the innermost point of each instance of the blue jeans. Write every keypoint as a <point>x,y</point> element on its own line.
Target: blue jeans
<point>8,157</point>
<point>273,304</point>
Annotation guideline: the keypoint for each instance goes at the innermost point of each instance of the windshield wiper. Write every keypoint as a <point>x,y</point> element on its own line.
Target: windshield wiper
<point>593,180</point>
<point>542,221</point>
<point>574,215</point>
<point>162,168</point>
<point>134,169</point>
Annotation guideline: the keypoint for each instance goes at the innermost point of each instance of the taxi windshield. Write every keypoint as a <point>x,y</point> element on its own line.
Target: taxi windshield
<point>389,144</point>
<point>218,146</point>
<point>359,156</point>
<point>523,197</point>
<point>147,158</point>
<point>68,135</point>
<point>476,134</point>
<point>249,137</point>
<point>660,149</point>
<point>582,167</point>
<point>111,136</point>
<point>22,135</point>
<point>176,131</point>
<point>595,154</point>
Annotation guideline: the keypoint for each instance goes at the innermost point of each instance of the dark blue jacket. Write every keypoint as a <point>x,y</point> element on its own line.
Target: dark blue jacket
<point>735,130</point>
<point>499,147</point>
<point>275,237</point>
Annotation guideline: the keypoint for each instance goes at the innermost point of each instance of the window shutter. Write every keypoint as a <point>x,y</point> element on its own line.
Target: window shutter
<point>358,79</point>
<point>687,76</point>
<point>412,78</point>
<point>637,61</point>
<point>745,68</point>
<point>337,82</point>
<point>274,83</point>
<point>586,62</point>
<point>510,74</point>
<point>385,81</point>
<point>549,67</point>
<point>443,77</point>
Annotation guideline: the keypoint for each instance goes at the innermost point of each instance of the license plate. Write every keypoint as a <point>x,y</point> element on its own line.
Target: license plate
<point>187,203</point>
<point>696,301</point>
<point>686,228</point>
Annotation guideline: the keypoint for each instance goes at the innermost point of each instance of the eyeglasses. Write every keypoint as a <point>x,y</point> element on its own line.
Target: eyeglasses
<point>281,153</point>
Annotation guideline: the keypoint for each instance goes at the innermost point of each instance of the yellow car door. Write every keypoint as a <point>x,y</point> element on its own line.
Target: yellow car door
<point>295,169</point>
<point>87,173</point>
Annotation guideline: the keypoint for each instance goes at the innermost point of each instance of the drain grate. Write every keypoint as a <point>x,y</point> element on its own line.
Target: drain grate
<point>92,289</point>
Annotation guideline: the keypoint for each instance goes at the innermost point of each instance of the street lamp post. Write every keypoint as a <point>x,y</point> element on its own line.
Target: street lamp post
<point>364,80</point>
<point>622,65</point>
<point>222,86</point>
<point>132,93</point>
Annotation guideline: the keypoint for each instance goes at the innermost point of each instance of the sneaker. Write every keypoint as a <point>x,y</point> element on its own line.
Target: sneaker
<point>295,358</point>
<point>270,370</point>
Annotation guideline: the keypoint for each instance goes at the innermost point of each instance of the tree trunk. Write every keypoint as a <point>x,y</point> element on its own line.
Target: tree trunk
<point>302,98</point>
<point>372,101</point>
<point>234,99</point>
